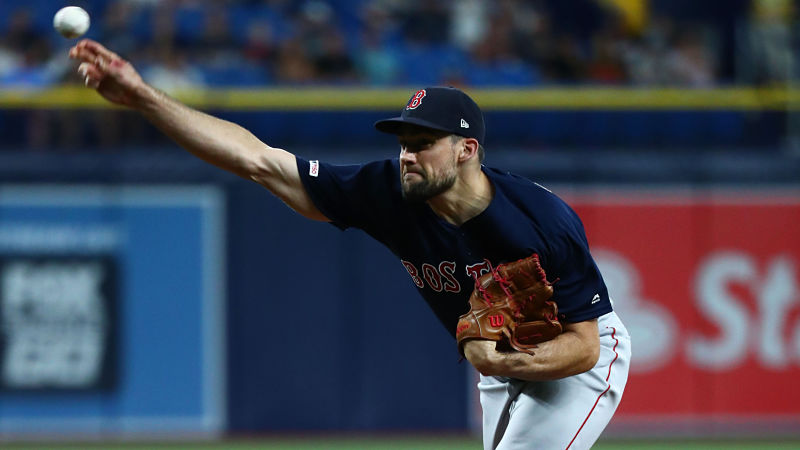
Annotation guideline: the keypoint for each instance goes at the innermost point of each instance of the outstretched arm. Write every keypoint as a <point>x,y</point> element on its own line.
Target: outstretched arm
<point>219,142</point>
<point>574,351</point>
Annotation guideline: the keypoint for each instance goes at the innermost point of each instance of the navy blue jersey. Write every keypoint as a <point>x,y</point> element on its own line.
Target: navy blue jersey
<point>443,259</point>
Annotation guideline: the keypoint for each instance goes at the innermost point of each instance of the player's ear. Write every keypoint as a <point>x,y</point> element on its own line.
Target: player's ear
<point>469,149</point>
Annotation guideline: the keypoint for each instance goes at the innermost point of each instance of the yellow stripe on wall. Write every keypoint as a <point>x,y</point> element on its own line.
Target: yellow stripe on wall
<point>350,99</point>
<point>633,12</point>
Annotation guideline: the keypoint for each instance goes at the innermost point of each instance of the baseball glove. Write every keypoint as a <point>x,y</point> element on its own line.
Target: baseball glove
<point>511,304</point>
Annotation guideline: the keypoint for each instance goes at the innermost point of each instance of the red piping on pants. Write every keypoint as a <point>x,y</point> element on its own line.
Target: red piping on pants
<point>616,355</point>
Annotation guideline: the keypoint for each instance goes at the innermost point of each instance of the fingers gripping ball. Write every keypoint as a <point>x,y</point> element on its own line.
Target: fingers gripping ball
<point>511,304</point>
<point>71,21</point>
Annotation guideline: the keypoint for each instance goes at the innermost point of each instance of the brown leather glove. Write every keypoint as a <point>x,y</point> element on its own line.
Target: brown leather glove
<point>511,304</point>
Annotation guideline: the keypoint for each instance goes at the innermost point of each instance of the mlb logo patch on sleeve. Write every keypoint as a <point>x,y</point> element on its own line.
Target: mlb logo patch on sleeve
<point>313,168</point>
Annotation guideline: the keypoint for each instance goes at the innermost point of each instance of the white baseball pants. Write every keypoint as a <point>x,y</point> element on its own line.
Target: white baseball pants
<point>569,413</point>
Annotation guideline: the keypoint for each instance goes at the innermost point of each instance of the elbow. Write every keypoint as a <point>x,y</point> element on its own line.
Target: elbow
<point>485,367</point>
<point>590,358</point>
<point>479,354</point>
<point>258,168</point>
<point>270,167</point>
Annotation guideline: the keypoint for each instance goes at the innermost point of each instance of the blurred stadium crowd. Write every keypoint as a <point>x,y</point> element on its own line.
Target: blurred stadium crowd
<point>179,44</point>
<point>197,43</point>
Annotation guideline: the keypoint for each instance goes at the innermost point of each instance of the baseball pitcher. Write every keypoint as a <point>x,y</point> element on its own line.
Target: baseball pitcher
<point>502,262</point>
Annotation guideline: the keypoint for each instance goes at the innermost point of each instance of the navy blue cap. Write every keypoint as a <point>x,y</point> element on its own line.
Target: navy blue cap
<point>440,108</point>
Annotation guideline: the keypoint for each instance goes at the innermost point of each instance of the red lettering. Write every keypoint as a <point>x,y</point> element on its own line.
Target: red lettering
<point>414,274</point>
<point>432,277</point>
<point>416,100</point>
<point>448,269</point>
<point>478,269</point>
<point>529,337</point>
<point>496,320</point>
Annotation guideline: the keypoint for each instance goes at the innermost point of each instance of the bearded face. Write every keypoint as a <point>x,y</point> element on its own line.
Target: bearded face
<point>428,165</point>
<point>421,186</point>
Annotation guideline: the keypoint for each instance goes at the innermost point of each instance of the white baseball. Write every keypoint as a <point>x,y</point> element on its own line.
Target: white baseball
<point>71,21</point>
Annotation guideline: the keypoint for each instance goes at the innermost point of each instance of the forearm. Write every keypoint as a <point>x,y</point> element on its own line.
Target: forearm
<point>559,358</point>
<point>228,146</point>
<point>574,351</point>
<point>217,141</point>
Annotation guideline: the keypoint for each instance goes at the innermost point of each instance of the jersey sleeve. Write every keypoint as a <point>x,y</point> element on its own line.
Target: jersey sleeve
<point>579,291</point>
<point>349,195</point>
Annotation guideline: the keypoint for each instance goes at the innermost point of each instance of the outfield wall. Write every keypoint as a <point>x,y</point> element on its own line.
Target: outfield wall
<point>318,320</point>
<point>708,284</point>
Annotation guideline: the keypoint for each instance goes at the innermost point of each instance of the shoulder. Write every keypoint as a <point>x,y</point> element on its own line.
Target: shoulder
<point>555,220</point>
<point>514,183</point>
<point>352,194</point>
<point>529,195</point>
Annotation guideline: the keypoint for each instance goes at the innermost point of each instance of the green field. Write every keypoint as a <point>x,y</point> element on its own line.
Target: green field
<point>394,444</point>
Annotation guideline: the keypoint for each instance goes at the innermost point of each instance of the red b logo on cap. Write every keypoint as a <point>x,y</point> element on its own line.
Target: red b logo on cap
<point>416,100</point>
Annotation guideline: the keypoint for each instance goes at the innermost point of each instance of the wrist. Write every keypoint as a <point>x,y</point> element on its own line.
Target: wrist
<point>146,98</point>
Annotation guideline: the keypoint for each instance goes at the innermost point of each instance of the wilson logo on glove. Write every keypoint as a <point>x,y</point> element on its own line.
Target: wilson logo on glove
<point>519,291</point>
